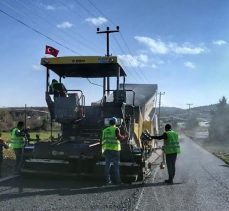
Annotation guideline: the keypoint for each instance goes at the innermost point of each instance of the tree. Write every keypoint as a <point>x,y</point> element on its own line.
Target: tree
<point>222,103</point>
<point>6,120</point>
<point>219,126</point>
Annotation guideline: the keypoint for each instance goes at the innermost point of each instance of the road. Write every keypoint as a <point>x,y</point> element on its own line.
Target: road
<point>201,183</point>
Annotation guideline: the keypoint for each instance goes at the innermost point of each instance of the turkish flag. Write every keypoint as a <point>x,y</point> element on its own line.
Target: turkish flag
<point>51,50</point>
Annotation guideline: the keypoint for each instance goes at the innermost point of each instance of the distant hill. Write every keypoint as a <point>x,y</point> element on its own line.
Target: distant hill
<point>199,112</point>
<point>165,112</point>
<point>170,110</point>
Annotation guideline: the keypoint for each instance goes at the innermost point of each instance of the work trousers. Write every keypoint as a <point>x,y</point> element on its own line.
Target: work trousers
<point>1,159</point>
<point>112,156</point>
<point>18,154</point>
<point>171,162</point>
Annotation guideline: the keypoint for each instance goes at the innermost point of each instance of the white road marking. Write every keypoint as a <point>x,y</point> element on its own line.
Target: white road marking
<point>139,199</point>
<point>8,178</point>
<point>155,193</point>
<point>142,192</point>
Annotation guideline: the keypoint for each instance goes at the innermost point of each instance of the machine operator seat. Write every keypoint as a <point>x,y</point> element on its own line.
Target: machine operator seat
<point>64,109</point>
<point>67,109</point>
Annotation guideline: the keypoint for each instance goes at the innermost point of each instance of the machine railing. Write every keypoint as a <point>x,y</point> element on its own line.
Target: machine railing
<point>119,91</point>
<point>81,99</point>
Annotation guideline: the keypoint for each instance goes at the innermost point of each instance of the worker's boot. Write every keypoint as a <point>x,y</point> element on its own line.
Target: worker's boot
<point>169,181</point>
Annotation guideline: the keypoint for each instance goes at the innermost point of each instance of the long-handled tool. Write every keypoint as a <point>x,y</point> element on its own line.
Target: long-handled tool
<point>162,165</point>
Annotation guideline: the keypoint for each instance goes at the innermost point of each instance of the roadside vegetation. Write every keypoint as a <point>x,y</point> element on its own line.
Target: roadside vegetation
<point>37,123</point>
<point>213,135</point>
<point>8,154</point>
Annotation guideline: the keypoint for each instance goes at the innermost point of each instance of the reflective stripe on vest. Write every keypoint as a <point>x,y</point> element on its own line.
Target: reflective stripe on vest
<point>16,142</point>
<point>171,143</point>
<point>109,139</point>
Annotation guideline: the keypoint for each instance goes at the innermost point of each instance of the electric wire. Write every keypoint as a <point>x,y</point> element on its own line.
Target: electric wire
<point>47,22</point>
<point>122,37</point>
<point>86,43</point>
<point>37,31</point>
<point>81,39</point>
<point>94,83</point>
<point>127,59</point>
<point>82,6</point>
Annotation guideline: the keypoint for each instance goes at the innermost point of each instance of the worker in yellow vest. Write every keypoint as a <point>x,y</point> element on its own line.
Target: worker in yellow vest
<point>171,149</point>
<point>17,144</point>
<point>111,148</point>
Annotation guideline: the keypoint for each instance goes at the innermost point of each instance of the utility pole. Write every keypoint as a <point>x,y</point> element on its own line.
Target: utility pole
<point>159,110</point>
<point>189,107</point>
<point>25,117</point>
<point>107,32</point>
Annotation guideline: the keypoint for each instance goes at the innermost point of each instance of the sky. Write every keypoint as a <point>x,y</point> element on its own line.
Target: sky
<point>180,45</point>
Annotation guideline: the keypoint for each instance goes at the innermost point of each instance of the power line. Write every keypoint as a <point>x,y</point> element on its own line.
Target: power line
<point>82,41</point>
<point>94,83</point>
<point>82,6</point>
<point>127,59</point>
<point>101,12</point>
<point>69,8</point>
<point>122,37</point>
<point>38,32</point>
<point>47,22</point>
<point>87,43</point>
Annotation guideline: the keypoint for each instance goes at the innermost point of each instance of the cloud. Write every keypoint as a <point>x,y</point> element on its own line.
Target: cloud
<point>37,67</point>
<point>64,25</point>
<point>161,62</point>
<point>50,7</point>
<point>189,65</point>
<point>156,46</point>
<point>96,21</point>
<point>129,60</point>
<point>154,66</point>
<point>143,58</point>
<point>160,47</point>
<point>185,49</point>
<point>138,61</point>
<point>219,42</point>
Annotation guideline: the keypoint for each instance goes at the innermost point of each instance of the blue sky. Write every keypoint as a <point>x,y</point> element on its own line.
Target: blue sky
<point>181,45</point>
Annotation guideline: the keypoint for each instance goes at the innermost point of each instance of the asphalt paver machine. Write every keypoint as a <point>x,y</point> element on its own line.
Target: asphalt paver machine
<point>77,151</point>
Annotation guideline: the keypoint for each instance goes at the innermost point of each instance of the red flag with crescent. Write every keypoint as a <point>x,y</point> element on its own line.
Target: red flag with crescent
<point>51,50</point>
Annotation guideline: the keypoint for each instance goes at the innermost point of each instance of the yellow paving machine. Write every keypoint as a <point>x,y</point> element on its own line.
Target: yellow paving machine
<point>77,151</point>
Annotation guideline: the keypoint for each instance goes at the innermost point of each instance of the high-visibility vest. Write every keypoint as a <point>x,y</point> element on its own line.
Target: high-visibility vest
<point>171,143</point>
<point>109,139</point>
<point>16,142</point>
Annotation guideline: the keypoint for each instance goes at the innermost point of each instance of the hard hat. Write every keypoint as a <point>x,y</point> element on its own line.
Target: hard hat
<point>113,120</point>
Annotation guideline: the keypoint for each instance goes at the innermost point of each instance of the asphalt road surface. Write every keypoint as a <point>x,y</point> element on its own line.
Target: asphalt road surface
<point>201,183</point>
